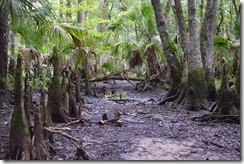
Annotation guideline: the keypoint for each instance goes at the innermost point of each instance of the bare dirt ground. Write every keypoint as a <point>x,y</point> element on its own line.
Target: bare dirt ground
<point>147,132</point>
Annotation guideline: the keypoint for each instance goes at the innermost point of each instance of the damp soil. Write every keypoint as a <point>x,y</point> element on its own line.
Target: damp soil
<point>147,131</point>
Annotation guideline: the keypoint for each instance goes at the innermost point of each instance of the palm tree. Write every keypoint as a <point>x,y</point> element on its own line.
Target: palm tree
<point>4,32</point>
<point>12,12</point>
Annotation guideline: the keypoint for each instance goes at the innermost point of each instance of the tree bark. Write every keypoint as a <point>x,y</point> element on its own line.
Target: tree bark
<point>54,99</point>
<point>206,46</point>
<point>201,10</point>
<point>80,14</point>
<point>73,112</point>
<point>39,144</point>
<point>181,23</point>
<point>4,33</point>
<point>20,141</point>
<point>174,65</point>
<point>197,88</point>
<point>12,62</point>
<point>27,99</point>
<point>167,8</point>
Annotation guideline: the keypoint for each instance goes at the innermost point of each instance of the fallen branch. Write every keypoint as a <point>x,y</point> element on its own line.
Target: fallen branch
<point>144,84</point>
<point>116,78</point>
<point>81,120</point>
<point>77,142</point>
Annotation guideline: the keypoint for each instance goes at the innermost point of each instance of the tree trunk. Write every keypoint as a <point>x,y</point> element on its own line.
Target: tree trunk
<point>225,100</point>
<point>46,116</point>
<point>73,112</point>
<point>151,62</point>
<point>197,88</point>
<point>77,86</point>
<point>102,5</point>
<point>167,8</point>
<point>68,15</point>
<point>12,62</point>
<point>80,14</point>
<point>27,99</point>
<point>88,90</point>
<point>4,33</point>
<point>182,27</point>
<point>221,12</point>
<point>20,141</point>
<point>61,15</point>
<point>54,100</point>
<point>201,6</point>
<point>39,144</point>
<point>174,65</point>
<point>206,46</point>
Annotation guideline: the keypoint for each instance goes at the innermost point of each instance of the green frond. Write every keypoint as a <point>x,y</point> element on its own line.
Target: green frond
<point>108,66</point>
<point>74,31</point>
<point>220,41</point>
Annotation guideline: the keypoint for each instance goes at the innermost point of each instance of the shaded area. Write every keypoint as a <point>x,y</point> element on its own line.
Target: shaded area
<point>147,131</point>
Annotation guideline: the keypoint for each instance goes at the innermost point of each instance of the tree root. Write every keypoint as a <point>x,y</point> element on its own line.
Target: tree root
<point>143,85</point>
<point>217,117</point>
<point>78,121</point>
<point>80,152</point>
<point>168,99</point>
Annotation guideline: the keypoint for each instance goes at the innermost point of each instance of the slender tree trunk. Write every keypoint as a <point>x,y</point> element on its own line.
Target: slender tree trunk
<point>27,99</point>
<point>80,14</point>
<point>73,112</point>
<point>68,14</point>
<point>4,33</point>
<point>182,26</point>
<point>174,65</point>
<point>88,90</point>
<point>61,15</point>
<point>201,6</point>
<point>206,46</point>
<point>12,61</point>
<point>167,8</point>
<point>197,88</point>
<point>221,12</point>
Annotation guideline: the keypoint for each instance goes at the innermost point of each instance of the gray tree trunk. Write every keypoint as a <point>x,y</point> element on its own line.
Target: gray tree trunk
<point>206,42</point>
<point>182,26</point>
<point>197,88</point>
<point>167,8</point>
<point>174,65</point>
<point>80,14</point>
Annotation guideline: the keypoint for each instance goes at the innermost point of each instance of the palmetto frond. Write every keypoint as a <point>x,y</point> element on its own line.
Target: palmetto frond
<point>22,9</point>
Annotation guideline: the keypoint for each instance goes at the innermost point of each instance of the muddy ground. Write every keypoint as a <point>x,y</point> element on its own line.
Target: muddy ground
<point>147,131</point>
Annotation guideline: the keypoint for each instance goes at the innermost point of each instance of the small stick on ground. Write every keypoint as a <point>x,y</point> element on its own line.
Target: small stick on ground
<point>77,142</point>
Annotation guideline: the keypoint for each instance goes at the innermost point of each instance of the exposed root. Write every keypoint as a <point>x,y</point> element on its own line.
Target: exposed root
<point>77,142</point>
<point>143,85</point>
<point>217,117</point>
<point>168,99</point>
<point>171,96</point>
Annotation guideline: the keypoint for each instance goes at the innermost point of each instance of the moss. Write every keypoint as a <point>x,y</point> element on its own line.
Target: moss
<point>197,83</point>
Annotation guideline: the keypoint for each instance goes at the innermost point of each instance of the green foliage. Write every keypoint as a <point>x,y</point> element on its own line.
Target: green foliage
<point>222,52</point>
<point>128,26</point>
<point>108,66</point>
<point>220,41</point>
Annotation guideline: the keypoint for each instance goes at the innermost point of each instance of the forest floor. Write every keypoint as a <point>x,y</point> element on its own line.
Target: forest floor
<point>147,131</point>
